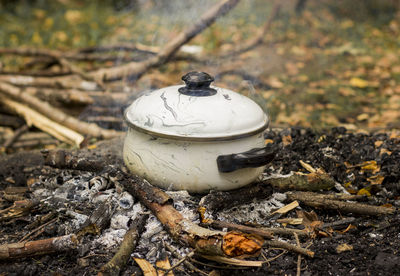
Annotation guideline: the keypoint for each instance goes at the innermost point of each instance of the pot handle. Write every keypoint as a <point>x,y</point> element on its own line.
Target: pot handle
<point>253,158</point>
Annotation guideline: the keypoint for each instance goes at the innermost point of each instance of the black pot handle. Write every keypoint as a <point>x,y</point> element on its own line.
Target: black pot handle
<point>253,158</point>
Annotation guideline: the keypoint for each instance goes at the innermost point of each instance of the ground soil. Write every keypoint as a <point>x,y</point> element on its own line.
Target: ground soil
<point>374,242</point>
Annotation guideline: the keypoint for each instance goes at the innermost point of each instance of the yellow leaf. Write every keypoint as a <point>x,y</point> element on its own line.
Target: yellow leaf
<point>364,191</point>
<point>73,16</point>
<point>370,166</point>
<point>36,38</point>
<point>343,247</point>
<point>362,117</point>
<point>376,179</point>
<point>357,82</point>
<point>48,23</point>
<point>146,267</point>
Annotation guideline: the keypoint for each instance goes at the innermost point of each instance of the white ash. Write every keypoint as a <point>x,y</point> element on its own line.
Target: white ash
<point>185,204</point>
<point>78,219</point>
<point>126,200</point>
<point>122,218</point>
<point>110,238</point>
<point>255,212</point>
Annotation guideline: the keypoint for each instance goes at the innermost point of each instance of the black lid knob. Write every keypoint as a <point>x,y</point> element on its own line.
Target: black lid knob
<point>197,84</point>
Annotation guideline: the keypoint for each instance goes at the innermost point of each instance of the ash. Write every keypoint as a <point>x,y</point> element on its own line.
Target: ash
<point>78,195</point>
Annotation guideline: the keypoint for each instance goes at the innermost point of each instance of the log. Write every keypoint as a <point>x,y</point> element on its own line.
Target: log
<point>315,200</point>
<point>39,247</point>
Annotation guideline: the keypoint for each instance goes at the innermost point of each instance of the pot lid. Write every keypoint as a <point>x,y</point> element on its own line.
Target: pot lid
<point>196,111</point>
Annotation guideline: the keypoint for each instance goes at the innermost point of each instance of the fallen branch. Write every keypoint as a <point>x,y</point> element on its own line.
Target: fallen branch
<point>315,200</point>
<point>259,38</point>
<point>128,245</point>
<point>55,114</point>
<point>36,119</point>
<point>315,181</point>
<point>39,247</point>
<point>65,96</point>
<point>8,143</point>
<point>135,70</point>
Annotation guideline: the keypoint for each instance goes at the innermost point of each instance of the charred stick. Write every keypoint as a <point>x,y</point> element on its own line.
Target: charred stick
<point>217,200</point>
<point>315,200</point>
<point>62,159</point>
<point>38,247</point>
<point>18,209</point>
<point>128,245</point>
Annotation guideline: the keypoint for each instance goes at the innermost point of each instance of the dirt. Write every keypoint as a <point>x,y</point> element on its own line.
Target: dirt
<point>372,243</point>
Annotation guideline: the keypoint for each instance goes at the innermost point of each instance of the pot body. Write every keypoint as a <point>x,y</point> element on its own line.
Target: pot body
<point>188,165</point>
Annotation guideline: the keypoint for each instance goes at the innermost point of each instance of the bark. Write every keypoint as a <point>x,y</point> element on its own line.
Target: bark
<point>128,245</point>
<point>36,248</point>
<point>317,201</point>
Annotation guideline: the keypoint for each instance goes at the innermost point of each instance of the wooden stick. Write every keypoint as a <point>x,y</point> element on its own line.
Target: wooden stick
<point>136,70</point>
<point>315,200</point>
<point>290,247</point>
<point>55,114</point>
<point>38,247</point>
<point>8,143</point>
<point>36,119</point>
<point>176,254</point>
<point>128,245</point>
<point>65,96</point>
<point>246,229</point>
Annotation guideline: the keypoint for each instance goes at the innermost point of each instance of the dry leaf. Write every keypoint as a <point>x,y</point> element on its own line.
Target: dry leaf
<point>165,265</point>
<point>287,140</point>
<point>240,244</point>
<point>146,267</point>
<point>343,247</point>
<point>357,82</point>
<point>376,179</point>
<point>370,166</point>
<point>364,191</point>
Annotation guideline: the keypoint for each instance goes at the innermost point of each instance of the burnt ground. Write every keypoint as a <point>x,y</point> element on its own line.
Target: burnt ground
<point>363,163</point>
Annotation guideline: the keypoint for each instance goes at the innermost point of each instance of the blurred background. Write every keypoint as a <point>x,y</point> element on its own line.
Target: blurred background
<point>320,63</point>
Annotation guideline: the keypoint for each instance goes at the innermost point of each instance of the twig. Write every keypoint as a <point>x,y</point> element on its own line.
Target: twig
<point>299,256</point>
<point>128,245</point>
<point>55,114</point>
<point>14,138</point>
<point>246,229</point>
<point>36,230</point>
<point>134,70</point>
<point>290,247</point>
<point>176,254</point>
<point>315,200</point>
<point>178,263</point>
<point>39,247</point>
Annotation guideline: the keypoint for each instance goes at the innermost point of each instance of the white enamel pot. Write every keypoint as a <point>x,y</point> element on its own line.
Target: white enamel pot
<point>196,137</point>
